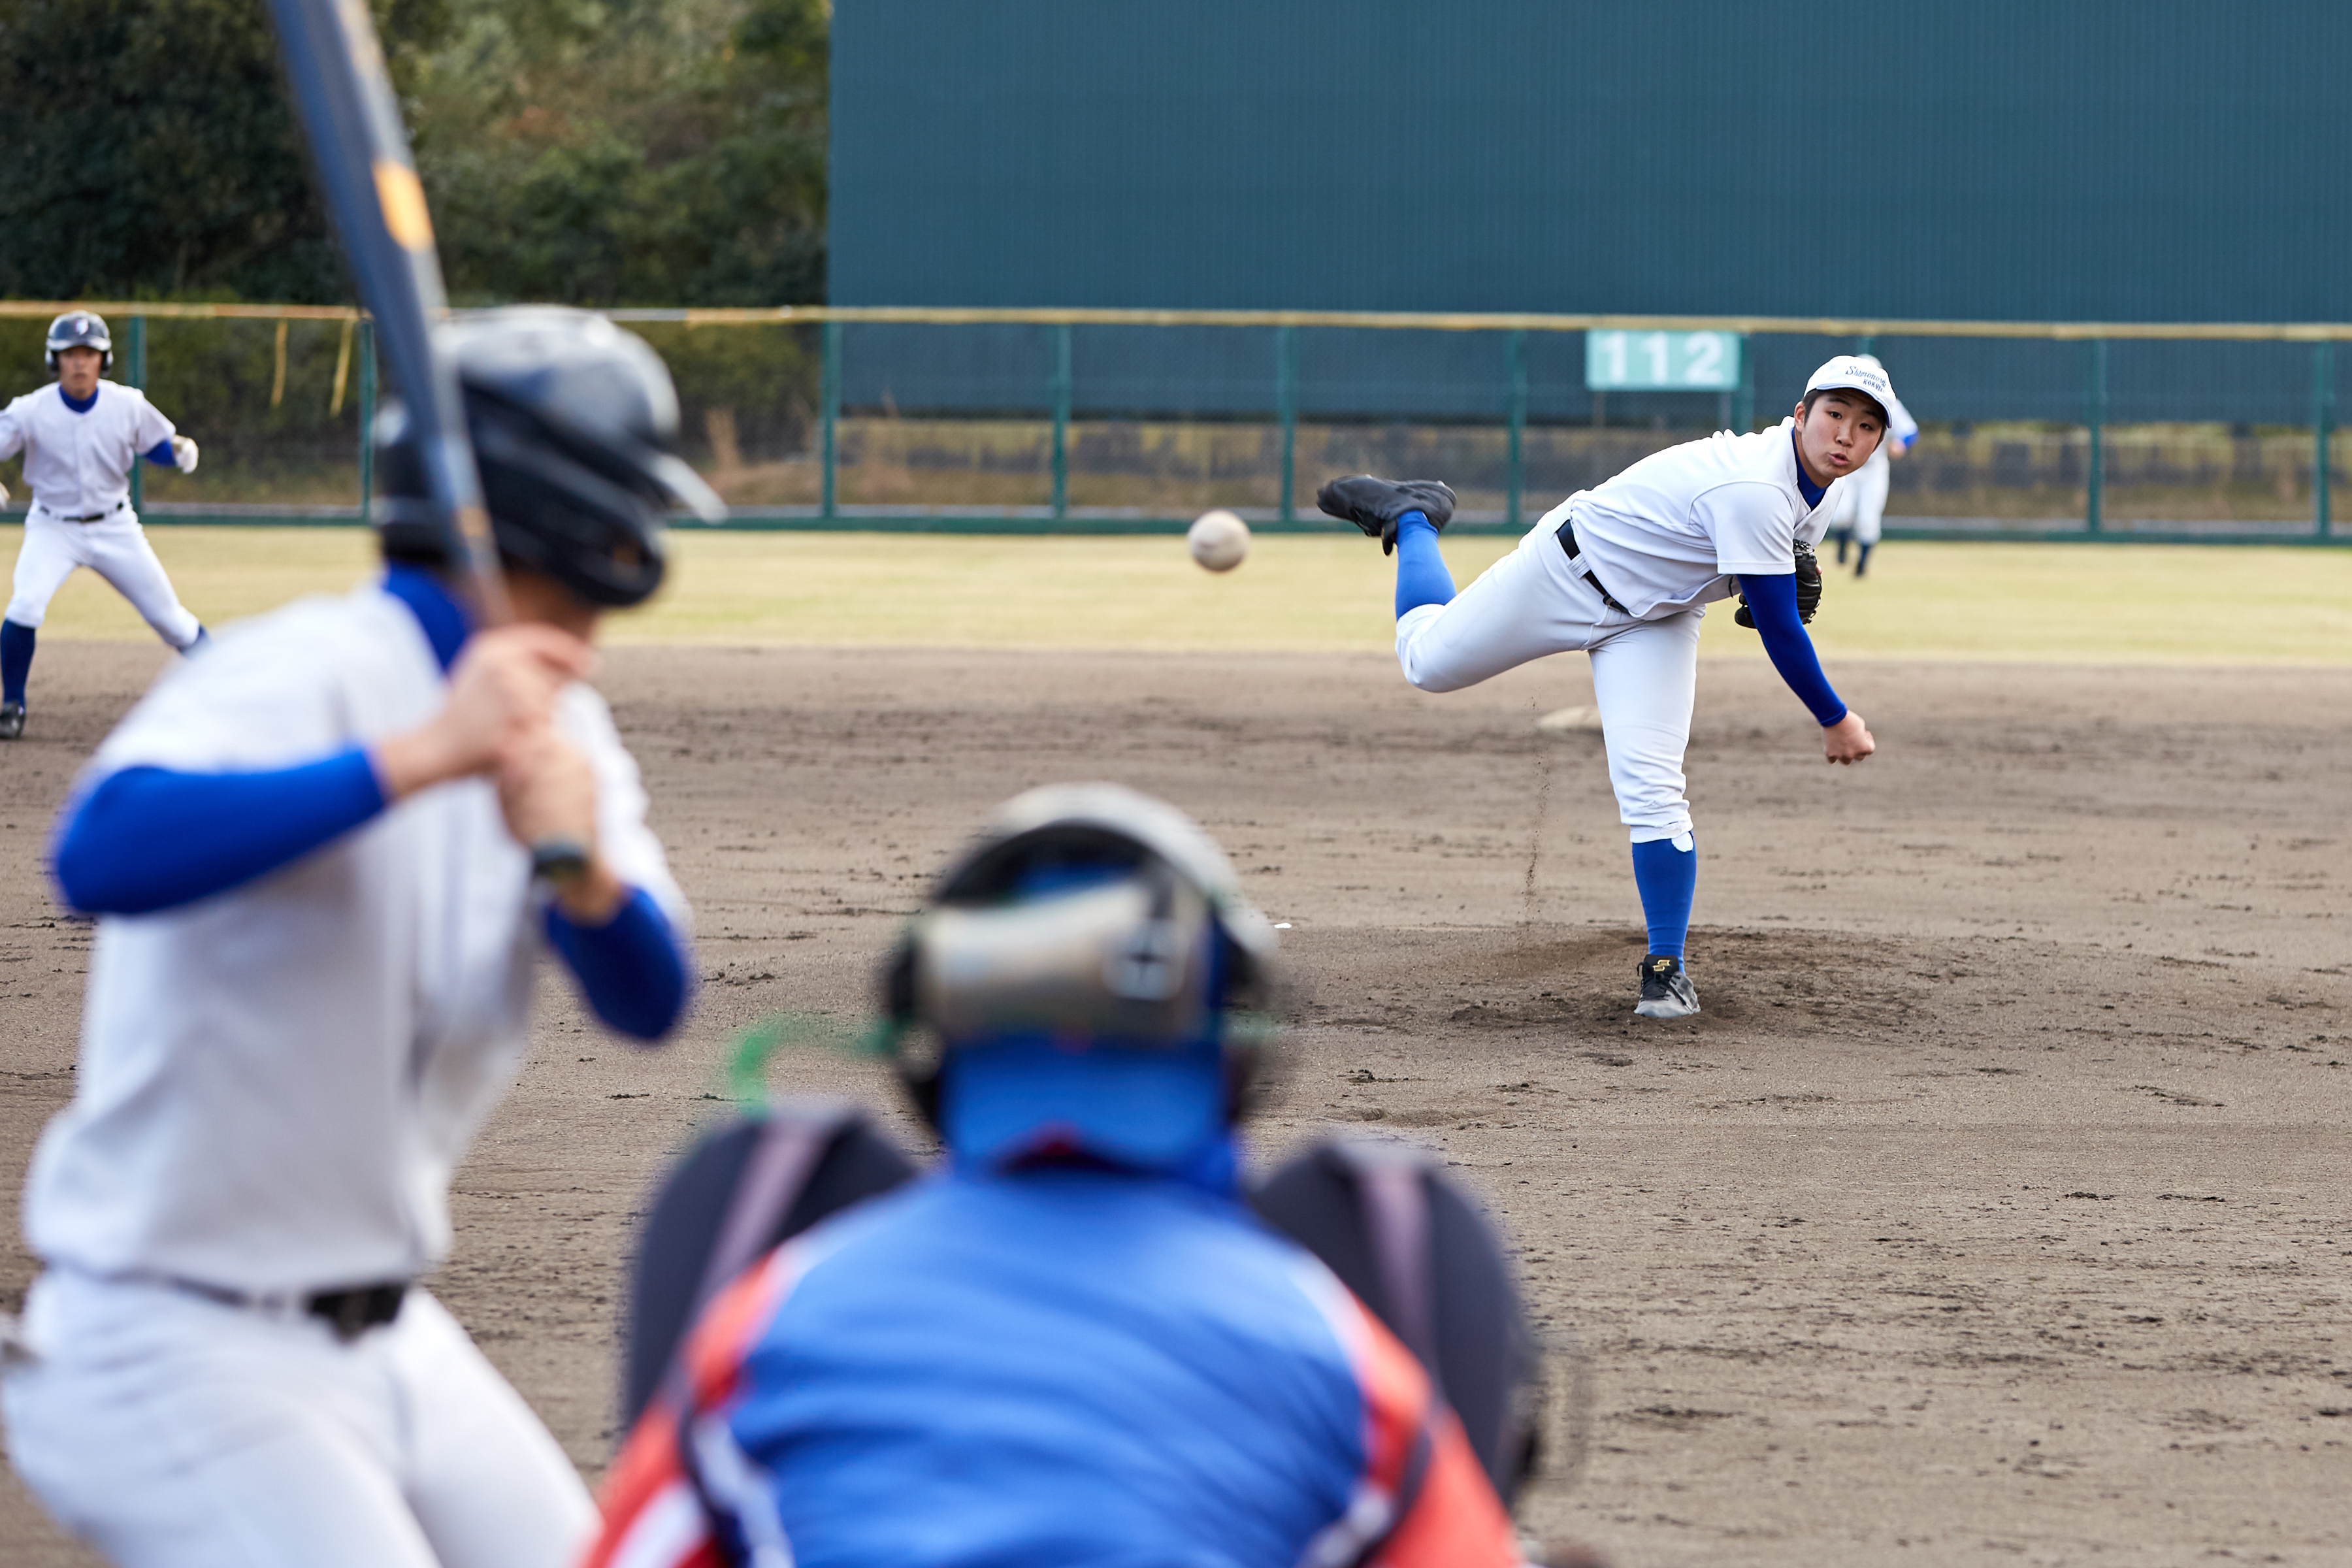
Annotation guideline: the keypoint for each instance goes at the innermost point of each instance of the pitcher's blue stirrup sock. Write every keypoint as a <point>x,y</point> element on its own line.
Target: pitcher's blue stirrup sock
<point>15,660</point>
<point>1667,878</point>
<point>1422,577</point>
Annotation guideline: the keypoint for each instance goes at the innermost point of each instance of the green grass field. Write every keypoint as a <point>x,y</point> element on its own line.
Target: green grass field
<point>2064,602</point>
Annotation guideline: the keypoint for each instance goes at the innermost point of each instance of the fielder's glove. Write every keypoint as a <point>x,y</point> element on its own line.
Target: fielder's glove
<point>1808,590</point>
<point>183,456</point>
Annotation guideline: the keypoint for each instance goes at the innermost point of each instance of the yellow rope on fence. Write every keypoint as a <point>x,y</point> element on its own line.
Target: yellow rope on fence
<point>1375,320</point>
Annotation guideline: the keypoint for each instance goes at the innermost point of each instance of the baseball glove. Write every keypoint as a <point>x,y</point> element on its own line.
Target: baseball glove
<point>1808,589</point>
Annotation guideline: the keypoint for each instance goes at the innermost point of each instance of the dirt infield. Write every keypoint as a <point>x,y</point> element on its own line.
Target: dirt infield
<point>1995,1210</point>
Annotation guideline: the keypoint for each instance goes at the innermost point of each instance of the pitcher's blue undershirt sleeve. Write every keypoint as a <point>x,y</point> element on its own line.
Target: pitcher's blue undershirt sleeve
<point>161,455</point>
<point>632,969</point>
<point>150,838</point>
<point>1772,601</point>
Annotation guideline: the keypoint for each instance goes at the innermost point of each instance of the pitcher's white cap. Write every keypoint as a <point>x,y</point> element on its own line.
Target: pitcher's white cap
<point>1859,372</point>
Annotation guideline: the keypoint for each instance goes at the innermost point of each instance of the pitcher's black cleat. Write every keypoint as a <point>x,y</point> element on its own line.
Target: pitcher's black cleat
<point>1666,990</point>
<point>1374,505</point>
<point>12,720</point>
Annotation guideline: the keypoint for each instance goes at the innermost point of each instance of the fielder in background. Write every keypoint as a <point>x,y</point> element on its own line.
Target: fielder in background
<point>312,981</point>
<point>1074,1344</point>
<point>1861,499</point>
<point>79,439</point>
<point>1624,572</point>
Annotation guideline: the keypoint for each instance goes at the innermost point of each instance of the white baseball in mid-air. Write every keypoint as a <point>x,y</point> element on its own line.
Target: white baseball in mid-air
<point>1218,540</point>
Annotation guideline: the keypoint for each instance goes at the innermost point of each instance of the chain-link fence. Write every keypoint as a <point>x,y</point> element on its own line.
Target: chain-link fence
<point>1112,420</point>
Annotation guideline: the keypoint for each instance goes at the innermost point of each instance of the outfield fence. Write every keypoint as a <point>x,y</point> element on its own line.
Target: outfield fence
<point>1010,421</point>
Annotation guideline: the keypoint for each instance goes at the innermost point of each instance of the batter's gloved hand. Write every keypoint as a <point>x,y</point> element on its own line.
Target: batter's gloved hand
<point>1374,505</point>
<point>184,453</point>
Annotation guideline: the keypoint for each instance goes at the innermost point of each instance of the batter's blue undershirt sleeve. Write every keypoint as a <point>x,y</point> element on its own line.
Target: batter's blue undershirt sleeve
<point>147,840</point>
<point>1772,601</point>
<point>159,454</point>
<point>632,969</point>
<point>1422,577</point>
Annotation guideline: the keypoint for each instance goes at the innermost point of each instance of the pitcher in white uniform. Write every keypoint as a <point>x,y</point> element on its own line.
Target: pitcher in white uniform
<point>1623,572</point>
<point>311,982</point>
<point>1861,497</point>
<point>79,439</point>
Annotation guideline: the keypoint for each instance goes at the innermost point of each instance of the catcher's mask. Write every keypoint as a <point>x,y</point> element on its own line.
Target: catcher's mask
<point>1090,980</point>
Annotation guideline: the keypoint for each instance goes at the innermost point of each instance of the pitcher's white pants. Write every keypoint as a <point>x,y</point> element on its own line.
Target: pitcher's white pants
<point>174,1432</point>
<point>114,547</point>
<point>1862,498</point>
<point>1644,673</point>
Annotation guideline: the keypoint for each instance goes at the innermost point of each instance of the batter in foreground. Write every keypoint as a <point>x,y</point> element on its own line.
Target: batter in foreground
<point>311,979</point>
<point>1623,572</point>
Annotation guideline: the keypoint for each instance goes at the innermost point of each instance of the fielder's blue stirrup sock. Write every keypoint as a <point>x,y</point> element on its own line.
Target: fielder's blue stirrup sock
<point>1666,872</point>
<point>1422,577</point>
<point>15,660</point>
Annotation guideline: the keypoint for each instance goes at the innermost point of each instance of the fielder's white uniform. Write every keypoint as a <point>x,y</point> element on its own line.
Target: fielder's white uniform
<point>275,1085</point>
<point>77,467</point>
<point>1862,495</point>
<point>1665,537</point>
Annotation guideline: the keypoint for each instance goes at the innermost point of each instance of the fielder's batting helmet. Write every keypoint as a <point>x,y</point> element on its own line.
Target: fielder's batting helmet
<point>573,423</point>
<point>1092,947</point>
<point>80,330</point>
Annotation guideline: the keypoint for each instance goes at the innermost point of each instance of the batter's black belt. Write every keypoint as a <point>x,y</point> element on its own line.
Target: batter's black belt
<point>1567,542</point>
<point>350,1312</point>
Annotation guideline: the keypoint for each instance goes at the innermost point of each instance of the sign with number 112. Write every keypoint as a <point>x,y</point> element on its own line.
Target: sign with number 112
<point>1661,362</point>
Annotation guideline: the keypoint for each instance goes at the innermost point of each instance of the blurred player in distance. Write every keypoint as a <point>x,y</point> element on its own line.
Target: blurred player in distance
<point>1623,572</point>
<point>79,439</point>
<point>1073,1343</point>
<point>1861,499</point>
<point>318,928</point>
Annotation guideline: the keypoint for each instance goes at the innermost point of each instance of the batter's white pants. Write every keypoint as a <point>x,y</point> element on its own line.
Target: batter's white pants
<point>1861,499</point>
<point>1644,673</point>
<point>174,1432</point>
<point>116,548</point>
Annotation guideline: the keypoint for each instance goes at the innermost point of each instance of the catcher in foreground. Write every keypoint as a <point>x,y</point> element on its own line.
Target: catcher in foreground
<point>1073,1343</point>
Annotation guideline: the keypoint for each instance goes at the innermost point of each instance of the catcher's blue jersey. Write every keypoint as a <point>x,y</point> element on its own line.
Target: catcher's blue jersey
<point>1056,1366</point>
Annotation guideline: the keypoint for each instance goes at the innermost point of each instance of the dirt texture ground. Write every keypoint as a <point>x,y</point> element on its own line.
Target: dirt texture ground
<point>1994,1210</point>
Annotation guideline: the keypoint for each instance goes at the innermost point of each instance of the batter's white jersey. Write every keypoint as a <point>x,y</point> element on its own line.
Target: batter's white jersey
<point>1673,530</point>
<point>277,1082</point>
<point>79,463</point>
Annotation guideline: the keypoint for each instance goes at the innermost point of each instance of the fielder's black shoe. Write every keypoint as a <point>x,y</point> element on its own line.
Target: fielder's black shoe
<point>1665,990</point>
<point>12,720</point>
<point>1374,505</point>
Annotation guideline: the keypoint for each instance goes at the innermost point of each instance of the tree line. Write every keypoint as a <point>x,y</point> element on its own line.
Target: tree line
<point>590,151</point>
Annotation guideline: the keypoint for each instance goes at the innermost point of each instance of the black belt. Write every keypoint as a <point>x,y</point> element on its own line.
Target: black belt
<point>1567,542</point>
<point>349,1313</point>
<point>92,516</point>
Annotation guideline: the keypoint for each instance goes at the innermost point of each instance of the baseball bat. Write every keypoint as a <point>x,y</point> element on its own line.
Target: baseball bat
<point>360,150</point>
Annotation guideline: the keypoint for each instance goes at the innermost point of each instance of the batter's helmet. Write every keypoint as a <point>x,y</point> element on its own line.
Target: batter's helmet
<point>80,330</point>
<point>1094,946</point>
<point>573,423</point>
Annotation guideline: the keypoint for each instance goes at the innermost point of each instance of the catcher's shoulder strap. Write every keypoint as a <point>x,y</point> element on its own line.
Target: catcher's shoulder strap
<point>1413,1247</point>
<point>745,1188</point>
